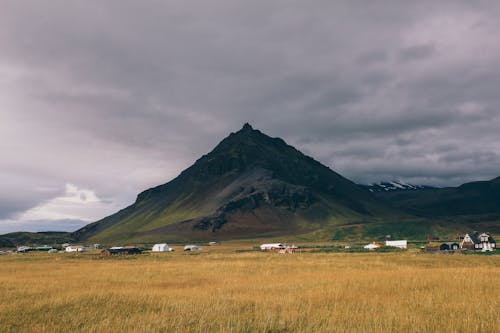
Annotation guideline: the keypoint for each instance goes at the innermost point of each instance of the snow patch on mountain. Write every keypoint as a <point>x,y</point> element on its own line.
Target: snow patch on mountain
<point>395,185</point>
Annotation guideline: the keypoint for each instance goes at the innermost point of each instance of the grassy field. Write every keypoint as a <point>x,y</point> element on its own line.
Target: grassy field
<point>219,290</point>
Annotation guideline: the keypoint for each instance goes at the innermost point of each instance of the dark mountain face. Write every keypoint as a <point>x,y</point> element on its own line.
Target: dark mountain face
<point>249,185</point>
<point>475,198</point>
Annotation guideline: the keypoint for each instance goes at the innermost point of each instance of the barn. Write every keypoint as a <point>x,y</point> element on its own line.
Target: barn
<point>477,241</point>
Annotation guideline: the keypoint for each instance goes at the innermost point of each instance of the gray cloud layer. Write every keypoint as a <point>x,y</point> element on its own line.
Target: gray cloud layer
<point>118,96</point>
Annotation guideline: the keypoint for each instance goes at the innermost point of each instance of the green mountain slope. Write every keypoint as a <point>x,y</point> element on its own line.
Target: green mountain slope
<point>250,185</point>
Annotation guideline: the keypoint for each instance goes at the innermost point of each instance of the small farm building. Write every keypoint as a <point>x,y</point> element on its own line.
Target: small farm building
<point>288,249</point>
<point>163,247</point>
<point>192,248</point>
<point>76,248</point>
<point>402,244</point>
<point>372,246</point>
<point>121,250</point>
<point>24,249</point>
<point>478,242</point>
<point>272,246</point>
<point>43,248</point>
<point>449,246</point>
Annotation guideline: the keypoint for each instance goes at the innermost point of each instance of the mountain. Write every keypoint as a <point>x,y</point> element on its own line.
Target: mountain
<point>474,198</point>
<point>395,185</point>
<point>249,185</point>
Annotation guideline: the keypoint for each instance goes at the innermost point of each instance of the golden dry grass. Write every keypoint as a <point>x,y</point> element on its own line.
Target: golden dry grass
<point>250,292</point>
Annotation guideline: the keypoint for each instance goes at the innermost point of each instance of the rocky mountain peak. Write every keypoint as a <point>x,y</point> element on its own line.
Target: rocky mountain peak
<point>247,127</point>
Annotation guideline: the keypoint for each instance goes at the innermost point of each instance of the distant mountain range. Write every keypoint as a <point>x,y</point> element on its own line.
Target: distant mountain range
<point>19,238</point>
<point>252,185</point>
<point>480,198</point>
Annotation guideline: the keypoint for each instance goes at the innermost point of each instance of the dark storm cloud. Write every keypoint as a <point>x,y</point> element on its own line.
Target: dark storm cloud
<point>118,96</point>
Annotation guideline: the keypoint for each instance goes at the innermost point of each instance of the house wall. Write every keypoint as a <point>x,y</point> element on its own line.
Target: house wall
<point>468,246</point>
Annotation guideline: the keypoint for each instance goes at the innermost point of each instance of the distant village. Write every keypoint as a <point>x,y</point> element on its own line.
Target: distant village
<point>470,242</point>
<point>475,241</point>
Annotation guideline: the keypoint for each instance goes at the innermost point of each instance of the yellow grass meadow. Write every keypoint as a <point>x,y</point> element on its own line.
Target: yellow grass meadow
<point>224,291</point>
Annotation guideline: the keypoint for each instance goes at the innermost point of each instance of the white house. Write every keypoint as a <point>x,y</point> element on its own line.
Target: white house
<point>478,242</point>
<point>76,248</point>
<point>402,244</point>
<point>272,246</point>
<point>163,247</point>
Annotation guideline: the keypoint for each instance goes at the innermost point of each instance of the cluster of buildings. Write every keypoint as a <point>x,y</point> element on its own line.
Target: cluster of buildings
<point>475,241</point>
<point>24,249</point>
<point>478,242</point>
<point>66,247</point>
<point>160,247</point>
<point>401,244</point>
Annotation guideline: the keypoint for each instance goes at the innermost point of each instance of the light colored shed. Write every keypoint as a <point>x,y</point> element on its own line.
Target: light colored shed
<point>163,247</point>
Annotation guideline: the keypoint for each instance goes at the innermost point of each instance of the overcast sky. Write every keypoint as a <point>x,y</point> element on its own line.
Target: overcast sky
<point>100,100</point>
